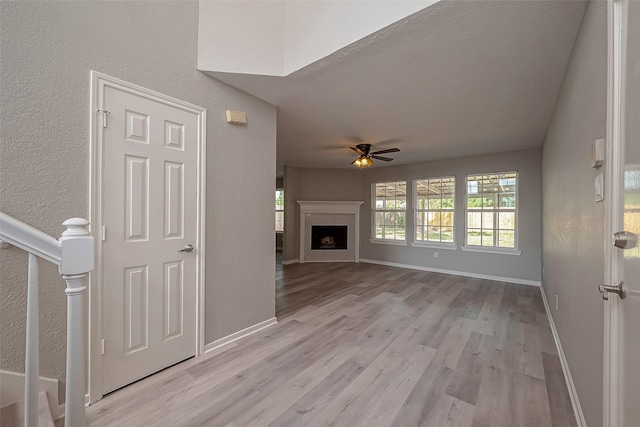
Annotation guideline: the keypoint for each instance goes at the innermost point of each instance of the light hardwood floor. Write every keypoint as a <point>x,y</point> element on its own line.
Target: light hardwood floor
<point>361,344</point>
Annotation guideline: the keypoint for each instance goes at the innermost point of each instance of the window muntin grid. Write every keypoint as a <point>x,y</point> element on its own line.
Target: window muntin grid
<point>435,205</point>
<point>491,204</point>
<point>279,210</point>
<point>389,210</point>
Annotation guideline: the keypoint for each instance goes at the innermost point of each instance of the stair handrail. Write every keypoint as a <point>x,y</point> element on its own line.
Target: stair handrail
<point>73,253</point>
<point>29,239</point>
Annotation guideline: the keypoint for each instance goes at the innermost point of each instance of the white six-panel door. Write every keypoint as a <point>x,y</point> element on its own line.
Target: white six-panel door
<point>149,212</point>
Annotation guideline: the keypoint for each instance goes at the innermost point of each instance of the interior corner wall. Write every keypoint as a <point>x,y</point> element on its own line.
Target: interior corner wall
<point>573,223</point>
<point>241,36</point>
<point>316,29</point>
<point>523,267</point>
<point>47,52</point>
<point>291,224</point>
<point>279,37</point>
<point>314,185</point>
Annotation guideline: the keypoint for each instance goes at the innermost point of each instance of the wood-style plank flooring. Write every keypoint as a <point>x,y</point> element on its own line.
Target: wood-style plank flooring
<point>368,345</point>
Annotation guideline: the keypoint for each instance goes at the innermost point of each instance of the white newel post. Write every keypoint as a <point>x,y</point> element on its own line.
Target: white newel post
<point>77,257</point>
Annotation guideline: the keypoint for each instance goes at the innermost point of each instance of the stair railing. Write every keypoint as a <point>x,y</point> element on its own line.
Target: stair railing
<point>73,253</point>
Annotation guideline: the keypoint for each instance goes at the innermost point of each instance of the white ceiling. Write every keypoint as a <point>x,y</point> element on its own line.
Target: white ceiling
<point>458,78</point>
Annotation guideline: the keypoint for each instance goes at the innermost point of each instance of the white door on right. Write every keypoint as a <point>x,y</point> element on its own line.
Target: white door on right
<point>630,262</point>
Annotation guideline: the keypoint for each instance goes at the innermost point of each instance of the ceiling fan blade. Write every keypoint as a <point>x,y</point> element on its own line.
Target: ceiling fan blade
<point>384,159</point>
<point>388,150</point>
<point>357,150</point>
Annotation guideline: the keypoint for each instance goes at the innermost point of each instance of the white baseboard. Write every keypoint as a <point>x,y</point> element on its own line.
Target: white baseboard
<point>12,389</point>
<point>455,273</point>
<point>573,394</point>
<point>240,334</point>
<point>290,261</point>
<point>61,408</point>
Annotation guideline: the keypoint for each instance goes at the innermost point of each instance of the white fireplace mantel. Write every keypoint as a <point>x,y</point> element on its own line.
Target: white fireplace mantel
<point>326,207</point>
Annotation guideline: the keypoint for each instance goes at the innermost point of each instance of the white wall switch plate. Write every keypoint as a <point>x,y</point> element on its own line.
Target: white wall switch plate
<point>599,187</point>
<point>597,153</point>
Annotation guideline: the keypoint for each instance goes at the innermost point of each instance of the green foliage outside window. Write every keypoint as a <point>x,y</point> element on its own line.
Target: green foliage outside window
<point>491,210</point>
<point>279,210</point>
<point>435,200</point>
<point>389,213</point>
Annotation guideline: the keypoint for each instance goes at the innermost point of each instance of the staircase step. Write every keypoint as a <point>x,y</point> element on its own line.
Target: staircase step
<point>13,415</point>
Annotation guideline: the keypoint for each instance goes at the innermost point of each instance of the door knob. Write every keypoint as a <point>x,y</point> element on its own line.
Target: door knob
<point>187,248</point>
<point>624,240</point>
<point>619,289</point>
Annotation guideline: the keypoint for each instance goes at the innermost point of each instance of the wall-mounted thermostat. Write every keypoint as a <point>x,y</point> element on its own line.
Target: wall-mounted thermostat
<point>236,117</point>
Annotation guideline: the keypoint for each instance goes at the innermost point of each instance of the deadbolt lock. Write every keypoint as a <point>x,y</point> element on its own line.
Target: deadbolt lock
<point>624,240</point>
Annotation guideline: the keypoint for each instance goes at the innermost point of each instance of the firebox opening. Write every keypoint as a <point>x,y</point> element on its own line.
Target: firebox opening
<point>328,237</point>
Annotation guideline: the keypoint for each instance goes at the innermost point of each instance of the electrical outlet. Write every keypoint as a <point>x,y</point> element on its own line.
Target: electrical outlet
<point>556,301</point>
<point>435,254</point>
<point>543,271</point>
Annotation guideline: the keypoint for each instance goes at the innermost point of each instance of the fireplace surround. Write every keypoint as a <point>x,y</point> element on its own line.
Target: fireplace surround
<point>330,216</point>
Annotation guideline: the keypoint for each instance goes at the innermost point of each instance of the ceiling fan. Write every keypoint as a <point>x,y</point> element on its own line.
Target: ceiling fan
<point>366,156</point>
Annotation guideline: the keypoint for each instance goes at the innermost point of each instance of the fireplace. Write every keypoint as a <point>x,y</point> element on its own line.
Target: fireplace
<point>335,223</point>
<point>329,237</point>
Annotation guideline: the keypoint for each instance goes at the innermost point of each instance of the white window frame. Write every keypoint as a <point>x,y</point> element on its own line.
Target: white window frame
<point>374,210</point>
<point>427,243</point>
<point>280,210</point>
<point>516,234</point>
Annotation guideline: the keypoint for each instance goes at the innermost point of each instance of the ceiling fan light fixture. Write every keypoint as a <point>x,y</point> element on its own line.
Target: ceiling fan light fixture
<point>366,156</point>
<point>363,162</point>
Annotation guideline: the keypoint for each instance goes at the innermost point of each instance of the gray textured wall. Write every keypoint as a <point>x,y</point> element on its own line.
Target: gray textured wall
<point>525,266</point>
<point>47,51</point>
<point>573,224</point>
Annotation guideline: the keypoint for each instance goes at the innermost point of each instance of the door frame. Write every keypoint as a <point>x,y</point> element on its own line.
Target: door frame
<point>614,167</point>
<point>99,82</point>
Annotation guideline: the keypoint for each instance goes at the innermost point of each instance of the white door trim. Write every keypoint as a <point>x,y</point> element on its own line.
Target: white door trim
<point>96,173</point>
<point>614,165</point>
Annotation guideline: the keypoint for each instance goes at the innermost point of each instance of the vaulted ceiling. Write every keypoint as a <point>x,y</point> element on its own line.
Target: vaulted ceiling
<point>458,78</point>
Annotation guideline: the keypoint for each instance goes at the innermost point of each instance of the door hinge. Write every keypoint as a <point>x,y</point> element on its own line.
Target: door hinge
<point>102,347</point>
<point>104,116</point>
<point>104,233</point>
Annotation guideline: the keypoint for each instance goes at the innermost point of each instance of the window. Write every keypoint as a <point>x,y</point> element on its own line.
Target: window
<point>389,210</point>
<point>491,210</point>
<point>280,210</point>
<point>435,199</point>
